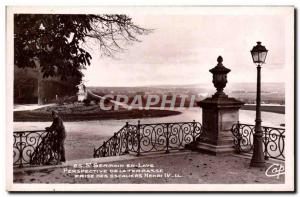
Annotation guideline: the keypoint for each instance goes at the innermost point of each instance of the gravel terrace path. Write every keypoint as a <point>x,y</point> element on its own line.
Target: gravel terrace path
<point>185,168</point>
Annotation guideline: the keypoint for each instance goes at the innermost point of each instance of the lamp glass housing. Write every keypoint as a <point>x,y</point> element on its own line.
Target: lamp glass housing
<point>259,53</point>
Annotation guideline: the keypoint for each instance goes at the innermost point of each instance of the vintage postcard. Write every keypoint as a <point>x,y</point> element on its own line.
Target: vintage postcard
<point>150,98</point>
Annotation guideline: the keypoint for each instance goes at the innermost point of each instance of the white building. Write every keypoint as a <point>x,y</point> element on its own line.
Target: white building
<point>82,93</point>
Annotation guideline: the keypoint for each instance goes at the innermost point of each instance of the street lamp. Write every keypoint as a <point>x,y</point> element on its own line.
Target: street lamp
<point>259,54</point>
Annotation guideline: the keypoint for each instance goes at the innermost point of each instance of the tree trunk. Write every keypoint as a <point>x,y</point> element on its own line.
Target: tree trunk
<point>40,98</point>
<point>40,86</point>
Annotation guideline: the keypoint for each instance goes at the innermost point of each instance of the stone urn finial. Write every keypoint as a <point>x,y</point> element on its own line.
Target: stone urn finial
<point>219,77</point>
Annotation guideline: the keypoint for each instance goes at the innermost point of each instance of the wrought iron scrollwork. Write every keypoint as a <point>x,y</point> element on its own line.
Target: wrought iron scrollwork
<point>274,142</point>
<point>120,143</point>
<point>35,148</point>
<point>145,138</point>
<point>273,139</point>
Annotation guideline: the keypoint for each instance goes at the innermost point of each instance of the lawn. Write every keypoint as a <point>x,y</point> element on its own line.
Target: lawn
<point>80,112</point>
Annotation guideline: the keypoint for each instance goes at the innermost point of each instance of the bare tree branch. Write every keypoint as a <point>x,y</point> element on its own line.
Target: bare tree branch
<point>112,32</point>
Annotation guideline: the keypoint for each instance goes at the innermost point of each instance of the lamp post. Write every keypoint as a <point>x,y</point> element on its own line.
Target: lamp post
<point>259,54</point>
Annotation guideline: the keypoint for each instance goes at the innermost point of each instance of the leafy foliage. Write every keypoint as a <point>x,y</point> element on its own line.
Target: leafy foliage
<point>54,41</point>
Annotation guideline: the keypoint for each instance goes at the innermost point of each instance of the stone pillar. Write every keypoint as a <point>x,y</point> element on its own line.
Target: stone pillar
<point>219,113</point>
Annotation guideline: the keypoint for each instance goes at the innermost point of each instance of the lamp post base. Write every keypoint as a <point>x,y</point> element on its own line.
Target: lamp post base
<point>258,159</point>
<point>257,164</point>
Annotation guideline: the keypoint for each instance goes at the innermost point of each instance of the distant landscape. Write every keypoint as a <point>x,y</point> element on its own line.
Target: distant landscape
<point>273,100</point>
<point>272,93</point>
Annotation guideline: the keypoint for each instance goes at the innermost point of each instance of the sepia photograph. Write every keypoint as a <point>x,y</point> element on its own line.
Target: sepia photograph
<point>150,98</point>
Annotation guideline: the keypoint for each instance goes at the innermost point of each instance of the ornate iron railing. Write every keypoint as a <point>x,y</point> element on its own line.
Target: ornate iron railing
<point>34,148</point>
<point>120,143</point>
<point>273,140</point>
<point>145,138</point>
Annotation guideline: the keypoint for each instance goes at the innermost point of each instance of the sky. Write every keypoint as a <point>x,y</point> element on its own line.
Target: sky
<point>182,49</point>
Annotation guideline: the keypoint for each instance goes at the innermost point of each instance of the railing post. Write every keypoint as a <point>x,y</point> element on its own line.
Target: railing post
<point>139,139</point>
<point>127,138</point>
<point>194,128</point>
<point>115,144</point>
<point>167,139</point>
<point>265,141</point>
<point>21,150</point>
<point>238,127</point>
<point>104,149</point>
